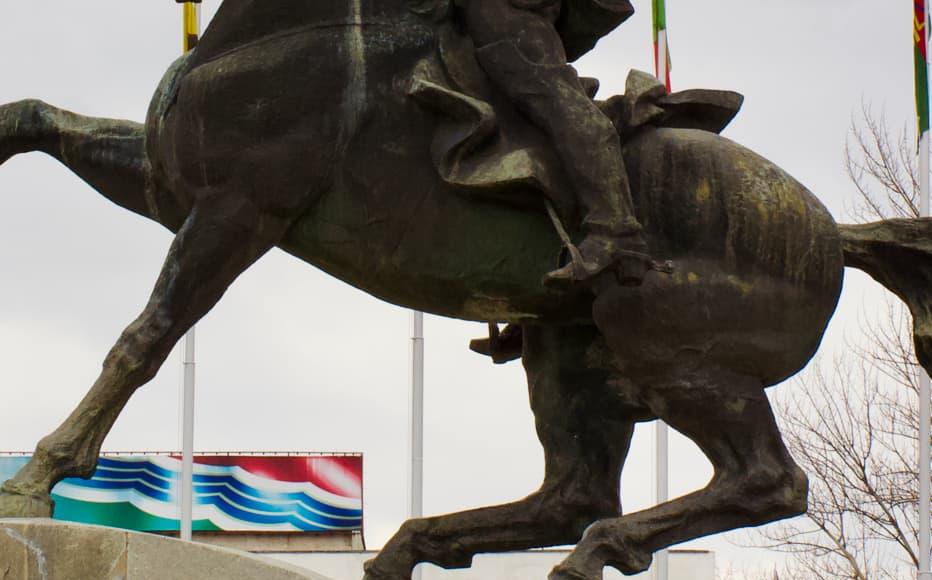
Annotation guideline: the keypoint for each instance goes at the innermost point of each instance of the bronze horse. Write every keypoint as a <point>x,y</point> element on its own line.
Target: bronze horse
<point>293,125</point>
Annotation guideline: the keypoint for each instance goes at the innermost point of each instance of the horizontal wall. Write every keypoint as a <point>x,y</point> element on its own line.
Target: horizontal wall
<point>532,565</point>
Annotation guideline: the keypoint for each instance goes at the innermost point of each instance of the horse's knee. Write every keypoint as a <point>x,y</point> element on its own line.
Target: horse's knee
<point>772,492</point>
<point>130,363</point>
<point>138,354</point>
<point>420,540</point>
<point>792,496</point>
<point>571,512</point>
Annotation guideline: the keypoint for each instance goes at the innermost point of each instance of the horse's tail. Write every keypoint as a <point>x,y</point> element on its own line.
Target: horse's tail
<point>898,254</point>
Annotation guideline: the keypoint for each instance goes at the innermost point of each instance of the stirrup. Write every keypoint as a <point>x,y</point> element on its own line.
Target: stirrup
<point>501,346</point>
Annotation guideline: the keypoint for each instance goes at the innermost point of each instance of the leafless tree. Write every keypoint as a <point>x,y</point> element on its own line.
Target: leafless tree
<point>853,425</point>
<point>883,168</point>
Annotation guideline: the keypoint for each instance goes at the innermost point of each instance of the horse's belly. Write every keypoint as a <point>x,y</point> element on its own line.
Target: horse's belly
<point>761,326</point>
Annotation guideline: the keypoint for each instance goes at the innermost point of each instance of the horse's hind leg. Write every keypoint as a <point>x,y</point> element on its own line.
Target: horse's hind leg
<point>584,447</point>
<point>108,154</point>
<point>756,481</point>
<point>221,237</point>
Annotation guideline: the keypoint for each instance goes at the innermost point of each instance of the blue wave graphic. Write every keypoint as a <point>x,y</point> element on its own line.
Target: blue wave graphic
<point>231,496</point>
<point>164,479</point>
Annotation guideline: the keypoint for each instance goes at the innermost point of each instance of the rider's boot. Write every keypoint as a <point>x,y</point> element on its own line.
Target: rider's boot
<point>548,91</point>
<point>625,254</point>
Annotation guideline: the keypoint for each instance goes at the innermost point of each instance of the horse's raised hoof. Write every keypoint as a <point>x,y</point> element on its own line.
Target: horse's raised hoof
<point>588,559</point>
<point>374,571</point>
<point>561,572</point>
<point>14,505</point>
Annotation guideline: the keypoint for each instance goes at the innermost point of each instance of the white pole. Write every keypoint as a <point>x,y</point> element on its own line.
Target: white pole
<point>187,439</point>
<point>924,385</point>
<point>924,396</point>
<point>191,30</point>
<point>661,431</point>
<point>662,58</point>
<point>662,490</point>
<point>417,421</point>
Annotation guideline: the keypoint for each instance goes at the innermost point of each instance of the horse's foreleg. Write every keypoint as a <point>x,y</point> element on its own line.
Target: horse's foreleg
<point>756,481</point>
<point>108,154</point>
<point>221,238</point>
<point>584,448</point>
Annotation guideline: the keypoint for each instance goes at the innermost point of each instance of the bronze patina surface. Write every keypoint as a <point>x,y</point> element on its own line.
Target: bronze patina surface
<point>366,138</point>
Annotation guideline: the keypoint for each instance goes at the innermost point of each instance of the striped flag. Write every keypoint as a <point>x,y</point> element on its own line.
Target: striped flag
<point>662,61</point>
<point>921,38</point>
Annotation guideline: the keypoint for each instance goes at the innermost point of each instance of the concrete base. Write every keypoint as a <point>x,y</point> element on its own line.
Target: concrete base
<point>271,542</point>
<point>37,549</point>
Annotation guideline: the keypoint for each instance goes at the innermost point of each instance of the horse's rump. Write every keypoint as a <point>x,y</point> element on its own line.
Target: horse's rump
<point>701,195</point>
<point>758,258</point>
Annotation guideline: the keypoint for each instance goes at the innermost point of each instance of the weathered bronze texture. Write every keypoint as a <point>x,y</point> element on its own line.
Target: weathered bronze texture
<point>365,138</point>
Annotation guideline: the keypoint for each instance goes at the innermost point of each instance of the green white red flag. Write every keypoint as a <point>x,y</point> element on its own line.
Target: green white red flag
<point>662,61</point>
<point>921,40</point>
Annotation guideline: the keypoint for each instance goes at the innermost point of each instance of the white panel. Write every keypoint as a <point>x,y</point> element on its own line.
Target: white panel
<point>533,565</point>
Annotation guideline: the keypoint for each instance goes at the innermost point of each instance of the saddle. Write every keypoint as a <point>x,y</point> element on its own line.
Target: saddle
<point>483,146</point>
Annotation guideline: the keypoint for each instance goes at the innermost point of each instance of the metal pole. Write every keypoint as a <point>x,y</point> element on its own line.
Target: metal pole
<point>924,394</point>
<point>661,568</point>
<point>417,421</point>
<point>662,490</point>
<point>187,443</point>
<point>922,36</point>
<point>191,34</point>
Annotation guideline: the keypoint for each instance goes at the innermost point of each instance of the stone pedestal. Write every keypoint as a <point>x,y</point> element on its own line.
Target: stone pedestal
<point>37,549</point>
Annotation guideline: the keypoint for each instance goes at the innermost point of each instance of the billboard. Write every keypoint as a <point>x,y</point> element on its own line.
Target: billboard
<point>232,493</point>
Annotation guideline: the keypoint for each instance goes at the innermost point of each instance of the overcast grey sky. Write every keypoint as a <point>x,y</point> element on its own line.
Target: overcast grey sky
<point>292,359</point>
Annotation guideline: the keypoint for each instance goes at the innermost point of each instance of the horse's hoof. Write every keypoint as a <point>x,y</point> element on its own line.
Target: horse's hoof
<point>373,571</point>
<point>14,505</point>
<point>635,563</point>
<point>562,572</point>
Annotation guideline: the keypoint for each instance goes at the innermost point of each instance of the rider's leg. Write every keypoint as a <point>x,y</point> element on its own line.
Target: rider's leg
<point>221,237</point>
<point>756,481</point>
<point>108,154</point>
<point>523,54</point>
<point>584,447</point>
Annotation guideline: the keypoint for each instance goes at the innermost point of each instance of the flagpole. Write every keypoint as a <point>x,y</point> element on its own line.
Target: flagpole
<point>417,421</point>
<point>661,568</point>
<point>191,34</point>
<point>921,56</point>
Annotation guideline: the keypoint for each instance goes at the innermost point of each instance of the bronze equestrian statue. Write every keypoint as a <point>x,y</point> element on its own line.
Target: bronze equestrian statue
<point>368,138</point>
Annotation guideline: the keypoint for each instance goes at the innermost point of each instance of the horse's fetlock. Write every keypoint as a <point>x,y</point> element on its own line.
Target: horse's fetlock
<point>600,533</point>
<point>54,454</point>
